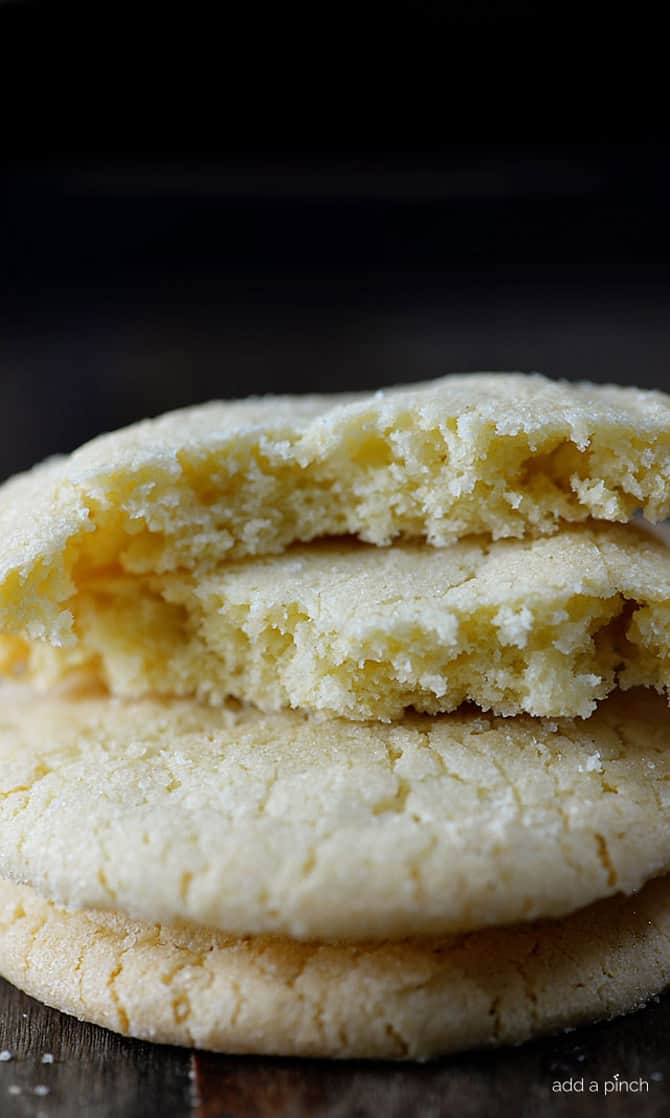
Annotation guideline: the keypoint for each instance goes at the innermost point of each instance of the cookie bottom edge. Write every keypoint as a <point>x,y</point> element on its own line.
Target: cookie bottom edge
<point>401,1000</point>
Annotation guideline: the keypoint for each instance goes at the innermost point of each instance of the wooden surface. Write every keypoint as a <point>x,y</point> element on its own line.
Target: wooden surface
<point>96,1074</point>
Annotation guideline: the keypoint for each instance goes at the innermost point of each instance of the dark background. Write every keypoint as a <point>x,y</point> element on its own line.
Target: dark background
<point>131,284</point>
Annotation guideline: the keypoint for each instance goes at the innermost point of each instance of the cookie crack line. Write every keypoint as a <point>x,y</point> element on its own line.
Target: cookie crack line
<point>124,1022</point>
<point>606,859</point>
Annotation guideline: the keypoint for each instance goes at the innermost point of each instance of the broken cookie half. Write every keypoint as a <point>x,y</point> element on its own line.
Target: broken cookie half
<point>544,626</point>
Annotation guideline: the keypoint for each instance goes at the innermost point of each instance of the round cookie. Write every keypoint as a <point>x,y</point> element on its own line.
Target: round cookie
<point>544,626</point>
<point>502,454</point>
<point>284,824</point>
<point>406,1000</point>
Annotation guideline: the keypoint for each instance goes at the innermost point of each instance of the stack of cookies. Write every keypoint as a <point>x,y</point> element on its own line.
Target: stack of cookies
<point>337,725</point>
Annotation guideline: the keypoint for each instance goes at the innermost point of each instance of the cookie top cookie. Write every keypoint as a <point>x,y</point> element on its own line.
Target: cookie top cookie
<point>545,626</point>
<point>499,454</point>
<point>281,824</point>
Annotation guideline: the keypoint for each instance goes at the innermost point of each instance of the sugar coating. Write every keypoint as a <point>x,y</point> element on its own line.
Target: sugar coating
<point>281,824</point>
<point>502,454</point>
<point>409,1000</point>
<point>546,626</point>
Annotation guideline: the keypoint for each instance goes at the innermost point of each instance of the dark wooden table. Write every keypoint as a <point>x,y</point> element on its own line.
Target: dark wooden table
<point>95,1073</point>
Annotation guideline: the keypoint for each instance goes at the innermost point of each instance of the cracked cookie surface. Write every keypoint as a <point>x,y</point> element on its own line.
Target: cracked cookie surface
<point>413,999</point>
<point>285,824</point>
<point>545,627</point>
<point>503,454</point>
